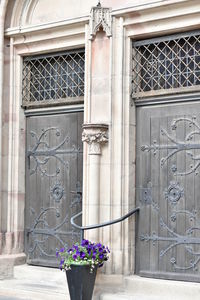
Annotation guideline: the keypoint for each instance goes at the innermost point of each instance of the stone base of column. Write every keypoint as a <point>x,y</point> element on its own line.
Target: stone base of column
<point>14,242</point>
<point>7,263</point>
<point>1,242</point>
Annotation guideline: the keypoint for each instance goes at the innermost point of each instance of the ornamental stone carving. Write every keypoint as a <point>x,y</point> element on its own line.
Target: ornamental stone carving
<point>95,135</point>
<point>100,18</point>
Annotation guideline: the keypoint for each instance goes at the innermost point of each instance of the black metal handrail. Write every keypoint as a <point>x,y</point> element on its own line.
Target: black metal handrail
<point>83,228</point>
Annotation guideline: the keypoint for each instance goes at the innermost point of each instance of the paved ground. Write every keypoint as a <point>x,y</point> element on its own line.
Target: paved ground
<point>31,283</point>
<point>40,283</point>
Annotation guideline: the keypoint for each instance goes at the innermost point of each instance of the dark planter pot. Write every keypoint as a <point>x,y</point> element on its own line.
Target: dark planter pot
<point>81,282</point>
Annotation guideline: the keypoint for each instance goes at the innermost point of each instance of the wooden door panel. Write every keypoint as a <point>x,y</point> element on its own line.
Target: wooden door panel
<point>167,185</point>
<point>53,184</point>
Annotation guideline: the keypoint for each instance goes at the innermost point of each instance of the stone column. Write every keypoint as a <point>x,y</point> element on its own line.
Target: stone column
<point>95,135</point>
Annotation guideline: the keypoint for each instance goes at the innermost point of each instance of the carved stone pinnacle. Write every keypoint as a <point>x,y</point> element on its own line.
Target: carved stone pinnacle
<point>100,18</point>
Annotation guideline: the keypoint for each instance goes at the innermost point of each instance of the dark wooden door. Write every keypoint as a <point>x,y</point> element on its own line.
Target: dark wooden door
<point>53,184</point>
<point>168,191</point>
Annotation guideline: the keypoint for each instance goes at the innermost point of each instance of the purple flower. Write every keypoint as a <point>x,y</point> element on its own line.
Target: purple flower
<point>94,256</point>
<point>75,247</point>
<point>92,248</point>
<point>100,265</point>
<point>61,263</point>
<point>74,256</point>
<point>57,253</point>
<point>62,250</point>
<point>84,243</point>
<point>101,256</point>
<point>82,255</point>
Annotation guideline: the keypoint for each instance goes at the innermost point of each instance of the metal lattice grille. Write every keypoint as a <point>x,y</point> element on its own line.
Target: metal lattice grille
<point>53,79</point>
<point>166,65</point>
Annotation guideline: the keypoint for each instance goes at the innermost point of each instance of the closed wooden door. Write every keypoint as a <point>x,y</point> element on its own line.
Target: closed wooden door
<point>167,189</point>
<point>53,184</point>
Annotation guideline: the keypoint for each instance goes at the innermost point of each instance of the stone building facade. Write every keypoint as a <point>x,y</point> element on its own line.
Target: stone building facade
<point>130,50</point>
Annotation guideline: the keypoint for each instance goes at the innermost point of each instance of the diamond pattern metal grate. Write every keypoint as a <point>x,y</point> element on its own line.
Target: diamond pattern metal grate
<point>166,65</point>
<point>53,79</point>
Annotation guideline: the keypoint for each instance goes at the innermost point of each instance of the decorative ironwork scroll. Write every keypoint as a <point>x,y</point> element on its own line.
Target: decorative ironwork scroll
<point>41,227</point>
<point>176,146</point>
<point>189,238</point>
<point>42,152</point>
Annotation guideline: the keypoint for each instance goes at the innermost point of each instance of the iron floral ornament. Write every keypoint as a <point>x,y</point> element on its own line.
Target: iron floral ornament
<point>175,146</point>
<point>57,192</point>
<point>174,192</point>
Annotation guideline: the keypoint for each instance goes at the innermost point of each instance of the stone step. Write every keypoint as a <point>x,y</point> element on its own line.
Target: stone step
<point>126,296</point>
<point>6,294</point>
<point>162,289</point>
<point>113,296</point>
<point>138,288</point>
<point>35,283</point>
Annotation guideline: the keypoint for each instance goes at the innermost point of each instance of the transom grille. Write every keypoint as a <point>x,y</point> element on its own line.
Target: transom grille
<point>166,65</point>
<point>53,79</point>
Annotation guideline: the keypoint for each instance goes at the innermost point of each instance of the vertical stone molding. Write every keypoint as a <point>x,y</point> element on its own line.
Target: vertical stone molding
<point>100,18</point>
<point>95,135</point>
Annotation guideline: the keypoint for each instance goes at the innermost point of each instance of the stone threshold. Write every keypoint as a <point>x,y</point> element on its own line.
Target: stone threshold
<point>140,288</point>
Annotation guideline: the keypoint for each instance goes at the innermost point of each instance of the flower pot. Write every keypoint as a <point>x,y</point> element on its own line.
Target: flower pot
<point>81,282</point>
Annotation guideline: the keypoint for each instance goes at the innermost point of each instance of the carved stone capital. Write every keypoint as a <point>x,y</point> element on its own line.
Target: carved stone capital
<point>95,135</point>
<point>100,18</point>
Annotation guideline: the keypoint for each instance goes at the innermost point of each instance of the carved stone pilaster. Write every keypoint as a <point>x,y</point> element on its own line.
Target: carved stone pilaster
<point>100,18</point>
<point>95,135</point>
